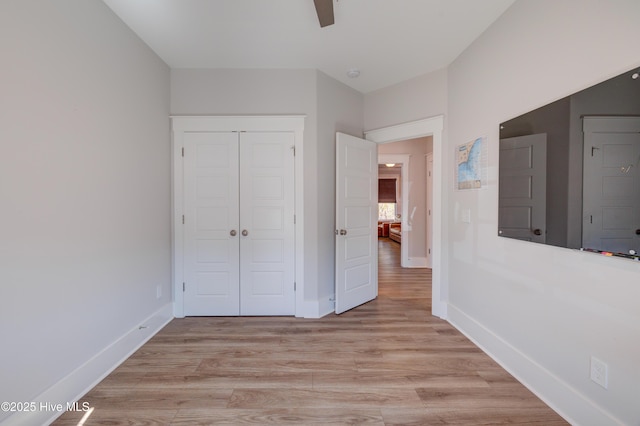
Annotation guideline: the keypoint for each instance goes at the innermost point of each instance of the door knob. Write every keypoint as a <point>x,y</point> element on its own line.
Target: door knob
<point>233,233</point>
<point>245,232</point>
<point>343,232</point>
<point>537,232</point>
<point>637,231</point>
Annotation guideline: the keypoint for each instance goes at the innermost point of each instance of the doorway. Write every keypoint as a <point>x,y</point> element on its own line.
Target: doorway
<point>427,127</point>
<point>409,157</point>
<point>401,165</point>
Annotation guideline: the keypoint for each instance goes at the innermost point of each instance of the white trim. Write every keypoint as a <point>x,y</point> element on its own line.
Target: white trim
<point>410,130</point>
<point>427,127</point>
<point>404,179</point>
<point>75,385</point>
<point>429,203</point>
<point>229,123</point>
<point>577,409</point>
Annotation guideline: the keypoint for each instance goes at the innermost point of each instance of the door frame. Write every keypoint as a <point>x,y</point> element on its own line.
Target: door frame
<point>429,201</point>
<point>434,127</point>
<point>266,123</point>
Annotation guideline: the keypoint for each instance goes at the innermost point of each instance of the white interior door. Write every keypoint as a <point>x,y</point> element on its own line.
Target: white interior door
<point>267,236</point>
<point>356,221</point>
<point>522,212</point>
<point>211,185</point>
<point>611,188</point>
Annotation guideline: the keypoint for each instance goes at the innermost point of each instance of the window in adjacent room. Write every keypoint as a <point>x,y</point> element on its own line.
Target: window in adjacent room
<point>387,201</point>
<point>386,211</point>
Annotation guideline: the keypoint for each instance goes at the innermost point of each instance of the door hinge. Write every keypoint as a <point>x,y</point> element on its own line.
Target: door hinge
<point>294,286</point>
<point>183,287</point>
<point>183,219</point>
<point>183,151</point>
<point>294,219</point>
<point>293,148</point>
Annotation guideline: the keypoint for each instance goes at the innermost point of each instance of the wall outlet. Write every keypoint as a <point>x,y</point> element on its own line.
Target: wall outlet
<point>158,291</point>
<point>599,372</point>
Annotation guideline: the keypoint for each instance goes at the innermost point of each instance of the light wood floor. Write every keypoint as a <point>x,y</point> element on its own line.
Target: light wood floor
<point>384,363</point>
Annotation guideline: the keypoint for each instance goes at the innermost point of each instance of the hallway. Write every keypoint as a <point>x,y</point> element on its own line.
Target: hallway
<point>400,283</point>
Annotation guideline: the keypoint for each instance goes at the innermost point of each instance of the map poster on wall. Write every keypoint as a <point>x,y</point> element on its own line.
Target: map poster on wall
<point>471,164</point>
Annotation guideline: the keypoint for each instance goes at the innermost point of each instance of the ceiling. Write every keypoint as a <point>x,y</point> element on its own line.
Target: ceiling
<point>389,41</point>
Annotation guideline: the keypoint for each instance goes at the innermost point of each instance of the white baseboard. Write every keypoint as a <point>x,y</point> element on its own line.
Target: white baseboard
<point>557,394</point>
<point>72,387</point>
<point>416,262</point>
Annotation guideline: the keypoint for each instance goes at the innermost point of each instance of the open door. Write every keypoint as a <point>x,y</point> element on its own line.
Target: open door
<point>356,221</point>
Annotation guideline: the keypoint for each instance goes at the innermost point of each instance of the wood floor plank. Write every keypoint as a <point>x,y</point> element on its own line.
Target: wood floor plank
<point>386,362</point>
<point>372,398</point>
<point>120,416</point>
<point>473,417</point>
<point>236,379</point>
<point>296,416</point>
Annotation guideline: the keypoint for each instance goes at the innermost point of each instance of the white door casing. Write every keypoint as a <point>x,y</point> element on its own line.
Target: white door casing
<point>356,221</point>
<point>522,212</point>
<point>429,198</point>
<point>611,184</point>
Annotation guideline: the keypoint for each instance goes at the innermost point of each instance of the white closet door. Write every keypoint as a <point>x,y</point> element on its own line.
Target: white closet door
<point>267,237</point>
<point>211,206</point>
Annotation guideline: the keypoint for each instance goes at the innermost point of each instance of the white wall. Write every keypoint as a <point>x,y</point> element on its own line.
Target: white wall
<point>84,187</point>
<point>340,109</point>
<point>543,311</point>
<point>415,99</point>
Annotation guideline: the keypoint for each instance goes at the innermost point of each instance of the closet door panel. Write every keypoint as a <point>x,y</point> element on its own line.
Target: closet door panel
<point>211,206</point>
<point>267,216</point>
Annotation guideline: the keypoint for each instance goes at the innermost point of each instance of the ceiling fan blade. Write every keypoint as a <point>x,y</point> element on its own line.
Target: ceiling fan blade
<point>324,9</point>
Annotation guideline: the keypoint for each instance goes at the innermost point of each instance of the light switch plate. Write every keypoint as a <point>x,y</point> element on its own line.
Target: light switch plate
<point>465,216</point>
